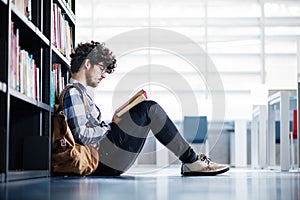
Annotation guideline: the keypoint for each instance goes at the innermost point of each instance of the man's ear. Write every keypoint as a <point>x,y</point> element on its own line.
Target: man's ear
<point>87,64</point>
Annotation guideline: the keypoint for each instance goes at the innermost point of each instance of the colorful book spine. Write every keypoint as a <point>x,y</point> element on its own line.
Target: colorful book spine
<point>28,10</point>
<point>52,91</point>
<point>62,32</point>
<point>23,74</point>
<point>25,7</point>
<point>69,3</point>
<point>12,57</point>
<point>38,98</point>
<point>58,79</point>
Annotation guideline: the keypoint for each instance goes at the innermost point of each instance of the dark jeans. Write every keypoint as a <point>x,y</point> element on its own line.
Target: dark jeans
<point>122,145</point>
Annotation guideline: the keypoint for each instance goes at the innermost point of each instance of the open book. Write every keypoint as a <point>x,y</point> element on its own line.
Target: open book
<point>137,98</point>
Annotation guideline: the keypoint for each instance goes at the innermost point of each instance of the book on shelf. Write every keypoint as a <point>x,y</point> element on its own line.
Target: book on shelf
<point>28,10</point>
<point>56,83</point>
<point>37,72</point>
<point>25,7</point>
<point>52,89</point>
<point>23,75</point>
<point>61,32</point>
<point>28,75</point>
<point>58,79</point>
<point>54,25</point>
<point>69,2</point>
<point>13,57</point>
<point>134,100</point>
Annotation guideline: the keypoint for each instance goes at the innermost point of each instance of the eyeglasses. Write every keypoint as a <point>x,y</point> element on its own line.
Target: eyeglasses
<point>102,68</point>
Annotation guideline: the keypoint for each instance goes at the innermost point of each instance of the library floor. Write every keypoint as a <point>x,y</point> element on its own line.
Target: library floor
<point>150,183</point>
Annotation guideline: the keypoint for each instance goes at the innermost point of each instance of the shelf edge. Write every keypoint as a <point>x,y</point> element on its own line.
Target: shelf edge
<point>30,25</point>
<point>19,175</point>
<point>62,57</point>
<point>3,87</point>
<point>66,8</point>
<point>43,106</point>
<point>29,100</point>
<point>4,1</point>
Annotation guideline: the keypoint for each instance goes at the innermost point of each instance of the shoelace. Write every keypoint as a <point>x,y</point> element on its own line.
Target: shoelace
<point>205,159</point>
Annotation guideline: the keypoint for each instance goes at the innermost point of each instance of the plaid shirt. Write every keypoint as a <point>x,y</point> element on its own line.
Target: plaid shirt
<point>86,127</point>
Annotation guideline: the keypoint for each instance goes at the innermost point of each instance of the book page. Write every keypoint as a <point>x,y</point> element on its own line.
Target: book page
<point>137,98</point>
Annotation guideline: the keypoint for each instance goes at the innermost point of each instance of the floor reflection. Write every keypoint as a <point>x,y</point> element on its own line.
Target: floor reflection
<point>165,184</point>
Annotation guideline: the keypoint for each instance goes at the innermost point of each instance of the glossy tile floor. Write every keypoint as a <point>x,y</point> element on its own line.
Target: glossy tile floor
<point>149,183</point>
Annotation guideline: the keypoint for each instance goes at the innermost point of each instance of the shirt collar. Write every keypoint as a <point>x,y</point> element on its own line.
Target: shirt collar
<point>77,83</point>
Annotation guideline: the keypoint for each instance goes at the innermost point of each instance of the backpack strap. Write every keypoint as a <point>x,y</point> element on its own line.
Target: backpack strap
<point>62,95</point>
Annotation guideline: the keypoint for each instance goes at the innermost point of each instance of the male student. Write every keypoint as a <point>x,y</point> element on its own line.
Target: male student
<point>120,142</point>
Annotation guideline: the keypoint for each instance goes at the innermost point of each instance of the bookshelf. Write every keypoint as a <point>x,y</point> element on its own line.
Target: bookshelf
<point>298,117</point>
<point>259,137</point>
<point>29,49</point>
<point>4,1</point>
<point>281,104</point>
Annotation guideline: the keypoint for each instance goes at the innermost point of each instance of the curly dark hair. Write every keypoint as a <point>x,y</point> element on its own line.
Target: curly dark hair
<point>96,52</point>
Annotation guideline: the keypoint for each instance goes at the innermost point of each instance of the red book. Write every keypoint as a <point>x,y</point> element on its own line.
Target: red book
<point>295,124</point>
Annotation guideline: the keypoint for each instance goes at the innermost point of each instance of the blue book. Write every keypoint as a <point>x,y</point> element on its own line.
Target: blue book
<point>52,93</point>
